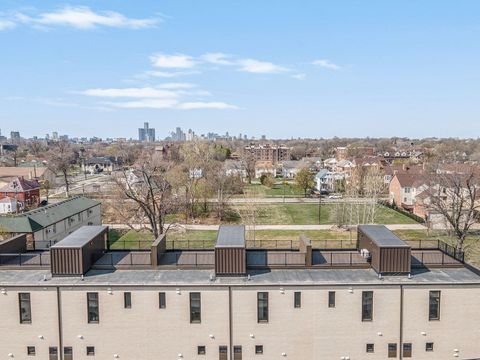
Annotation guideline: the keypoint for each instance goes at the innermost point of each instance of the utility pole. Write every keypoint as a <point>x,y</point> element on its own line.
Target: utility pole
<point>319,208</point>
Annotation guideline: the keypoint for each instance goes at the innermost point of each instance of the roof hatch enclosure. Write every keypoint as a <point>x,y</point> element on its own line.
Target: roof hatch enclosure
<point>388,253</point>
<point>230,253</point>
<point>74,255</point>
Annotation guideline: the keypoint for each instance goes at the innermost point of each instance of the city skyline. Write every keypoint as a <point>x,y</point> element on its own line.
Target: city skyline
<point>343,69</point>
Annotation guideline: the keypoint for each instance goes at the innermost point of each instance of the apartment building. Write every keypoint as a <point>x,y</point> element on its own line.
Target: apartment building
<point>381,298</point>
<point>272,153</point>
<point>49,224</point>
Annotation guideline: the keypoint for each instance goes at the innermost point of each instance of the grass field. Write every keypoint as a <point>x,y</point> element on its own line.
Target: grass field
<point>290,189</point>
<point>307,214</point>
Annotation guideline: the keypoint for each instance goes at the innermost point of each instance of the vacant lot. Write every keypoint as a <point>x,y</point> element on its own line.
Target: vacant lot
<point>289,189</point>
<point>307,214</point>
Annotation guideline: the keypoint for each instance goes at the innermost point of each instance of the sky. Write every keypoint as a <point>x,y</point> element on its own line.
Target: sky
<point>281,68</point>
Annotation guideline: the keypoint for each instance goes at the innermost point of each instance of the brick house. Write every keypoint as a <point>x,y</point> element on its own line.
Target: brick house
<point>404,189</point>
<point>25,192</point>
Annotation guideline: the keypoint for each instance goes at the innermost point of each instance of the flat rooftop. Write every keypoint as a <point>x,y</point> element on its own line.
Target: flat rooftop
<point>382,236</point>
<point>231,236</point>
<point>293,277</point>
<point>80,237</point>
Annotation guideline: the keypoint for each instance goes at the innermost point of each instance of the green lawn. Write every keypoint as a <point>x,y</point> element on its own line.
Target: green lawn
<point>290,189</point>
<point>131,239</point>
<point>307,214</point>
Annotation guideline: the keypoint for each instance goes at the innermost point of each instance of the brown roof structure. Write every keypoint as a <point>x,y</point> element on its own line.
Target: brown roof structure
<point>20,184</point>
<point>410,180</point>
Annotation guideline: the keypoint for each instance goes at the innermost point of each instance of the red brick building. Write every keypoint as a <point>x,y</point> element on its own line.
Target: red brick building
<point>26,192</point>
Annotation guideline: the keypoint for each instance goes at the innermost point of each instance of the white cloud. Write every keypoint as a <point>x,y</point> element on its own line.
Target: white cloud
<point>79,17</point>
<point>166,74</point>
<point>146,104</point>
<point>206,105</point>
<point>260,67</point>
<point>178,61</point>
<point>7,24</point>
<point>327,64</point>
<point>300,76</point>
<point>82,17</point>
<point>217,58</point>
<point>145,92</point>
<point>176,86</point>
<point>162,96</point>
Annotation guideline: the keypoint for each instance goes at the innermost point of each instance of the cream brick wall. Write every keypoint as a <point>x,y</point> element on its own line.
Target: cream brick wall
<point>457,329</point>
<point>312,332</point>
<point>145,331</point>
<point>15,337</point>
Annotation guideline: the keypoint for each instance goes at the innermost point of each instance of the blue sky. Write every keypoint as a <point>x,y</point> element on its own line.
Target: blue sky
<point>281,68</point>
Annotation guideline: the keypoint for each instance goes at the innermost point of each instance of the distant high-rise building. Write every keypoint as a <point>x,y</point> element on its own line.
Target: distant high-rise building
<point>190,135</point>
<point>15,135</point>
<point>54,136</point>
<point>146,133</point>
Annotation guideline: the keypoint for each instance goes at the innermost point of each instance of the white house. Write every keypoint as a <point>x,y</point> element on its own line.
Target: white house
<point>7,205</point>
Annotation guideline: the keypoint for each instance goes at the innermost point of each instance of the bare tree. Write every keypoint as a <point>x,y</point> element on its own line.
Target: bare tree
<point>35,147</point>
<point>455,196</point>
<point>61,160</point>
<point>248,163</point>
<point>224,186</point>
<point>148,191</point>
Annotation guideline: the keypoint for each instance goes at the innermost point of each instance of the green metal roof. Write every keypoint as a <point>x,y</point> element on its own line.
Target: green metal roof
<point>43,217</point>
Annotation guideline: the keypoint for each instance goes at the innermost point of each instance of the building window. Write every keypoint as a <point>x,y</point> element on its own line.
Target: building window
<point>331,299</point>
<point>127,300</point>
<point>25,308</point>
<point>370,348</point>
<point>195,308</point>
<point>237,353</point>
<point>223,353</point>
<point>67,353</point>
<point>90,350</point>
<point>258,349</point>
<point>262,307</point>
<point>52,353</point>
<point>392,350</point>
<point>93,313</point>
<point>31,351</point>
<point>367,305</point>
<point>297,299</point>
<point>429,346</point>
<point>407,350</point>
<point>201,350</point>
<point>434,306</point>
<point>162,300</point>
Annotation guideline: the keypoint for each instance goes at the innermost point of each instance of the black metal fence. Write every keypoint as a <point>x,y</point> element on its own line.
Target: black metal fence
<point>25,259</point>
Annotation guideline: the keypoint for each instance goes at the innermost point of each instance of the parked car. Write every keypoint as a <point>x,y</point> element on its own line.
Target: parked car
<point>335,196</point>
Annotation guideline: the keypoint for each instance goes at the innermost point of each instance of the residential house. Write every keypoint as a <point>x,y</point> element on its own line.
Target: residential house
<point>49,224</point>
<point>8,205</point>
<point>235,168</point>
<point>97,165</point>
<point>25,192</point>
<point>264,167</point>
<point>291,168</point>
<point>326,180</point>
<point>404,189</point>
<point>9,173</point>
